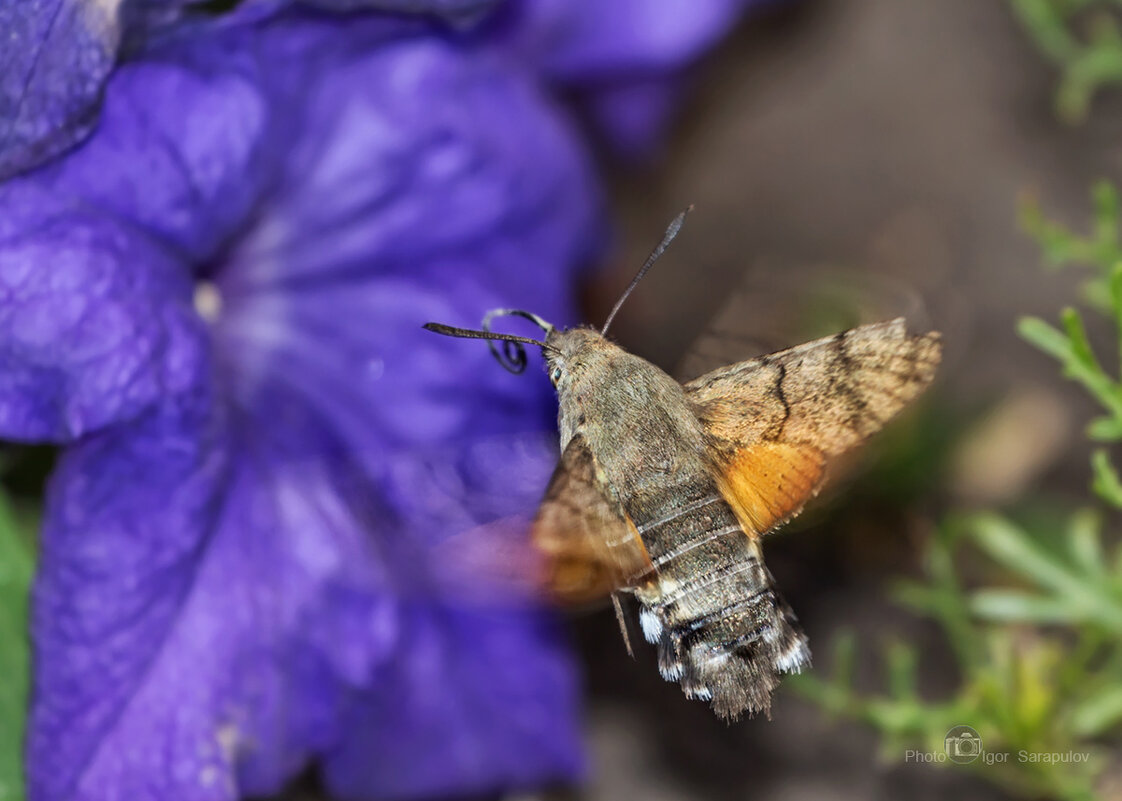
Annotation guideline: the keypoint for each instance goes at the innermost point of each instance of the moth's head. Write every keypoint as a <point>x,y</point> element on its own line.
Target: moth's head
<point>567,353</point>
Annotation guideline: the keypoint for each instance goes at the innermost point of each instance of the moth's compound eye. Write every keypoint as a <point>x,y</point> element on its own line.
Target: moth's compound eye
<point>555,375</point>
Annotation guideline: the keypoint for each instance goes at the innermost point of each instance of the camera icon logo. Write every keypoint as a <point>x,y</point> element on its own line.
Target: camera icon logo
<point>962,745</point>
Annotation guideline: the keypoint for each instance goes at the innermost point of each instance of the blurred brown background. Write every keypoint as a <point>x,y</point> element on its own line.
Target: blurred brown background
<point>855,159</point>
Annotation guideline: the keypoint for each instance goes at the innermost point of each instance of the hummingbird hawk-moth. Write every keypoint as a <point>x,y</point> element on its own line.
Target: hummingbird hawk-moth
<point>665,490</point>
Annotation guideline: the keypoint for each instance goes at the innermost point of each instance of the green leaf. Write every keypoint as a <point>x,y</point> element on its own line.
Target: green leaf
<point>1046,26</point>
<point>1096,292</point>
<point>1074,351</point>
<point>1085,542</point>
<point>845,659</point>
<point>1060,246</point>
<point>1105,429</point>
<point>1098,713</point>
<point>1105,198</point>
<point>1021,607</point>
<point>15,581</point>
<point>1116,306</point>
<point>1046,337</point>
<point>901,661</point>
<point>1011,547</point>
<point>1105,481</point>
<point>1093,67</point>
<point>1077,338</point>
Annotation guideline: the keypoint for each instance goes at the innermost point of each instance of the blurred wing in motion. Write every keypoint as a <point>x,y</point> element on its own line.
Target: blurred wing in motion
<point>780,303</point>
<point>773,423</point>
<point>587,542</point>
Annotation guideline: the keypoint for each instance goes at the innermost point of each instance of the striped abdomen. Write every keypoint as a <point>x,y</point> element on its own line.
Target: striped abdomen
<point>721,627</point>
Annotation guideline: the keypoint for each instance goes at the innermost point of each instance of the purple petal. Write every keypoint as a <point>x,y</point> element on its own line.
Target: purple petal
<point>477,702</point>
<point>180,153</point>
<point>56,56</point>
<point>579,40</point>
<point>622,58</point>
<point>96,319</point>
<point>126,517</point>
<point>88,339</point>
<point>420,156</point>
<point>635,113</point>
<point>195,612</point>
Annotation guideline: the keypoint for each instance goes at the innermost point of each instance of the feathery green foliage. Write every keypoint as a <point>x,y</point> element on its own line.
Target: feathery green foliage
<point>1038,655</point>
<point>1102,289</point>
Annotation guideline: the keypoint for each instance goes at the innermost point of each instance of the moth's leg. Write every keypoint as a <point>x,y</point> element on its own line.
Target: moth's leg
<point>622,623</point>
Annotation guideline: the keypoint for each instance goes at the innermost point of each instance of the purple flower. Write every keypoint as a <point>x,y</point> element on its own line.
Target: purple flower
<point>233,569</point>
<point>621,56</point>
<point>214,304</point>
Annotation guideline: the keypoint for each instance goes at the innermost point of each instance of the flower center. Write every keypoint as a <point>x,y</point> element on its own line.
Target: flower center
<point>208,301</point>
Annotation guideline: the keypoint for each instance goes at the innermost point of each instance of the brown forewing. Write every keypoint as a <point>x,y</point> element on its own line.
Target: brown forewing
<point>588,545</point>
<point>772,423</point>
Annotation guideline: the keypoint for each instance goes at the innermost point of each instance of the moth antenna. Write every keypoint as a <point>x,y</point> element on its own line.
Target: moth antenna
<point>671,232</point>
<point>513,355</point>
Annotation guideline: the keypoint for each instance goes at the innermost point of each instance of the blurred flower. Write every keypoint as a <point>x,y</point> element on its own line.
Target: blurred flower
<point>621,61</point>
<point>621,56</point>
<point>211,608</point>
<point>214,303</point>
<point>58,55</point>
